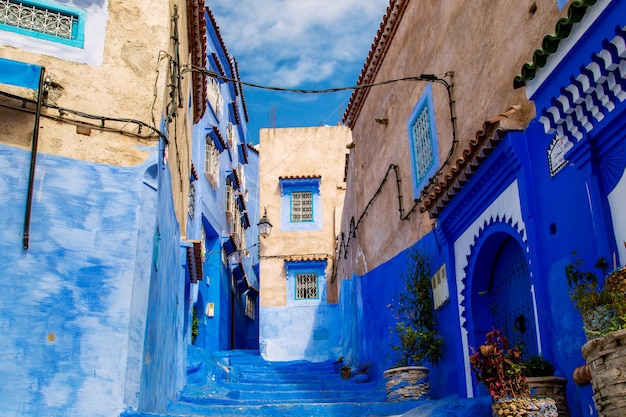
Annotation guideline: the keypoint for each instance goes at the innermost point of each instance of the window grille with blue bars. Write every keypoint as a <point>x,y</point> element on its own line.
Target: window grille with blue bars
<point>44,20</point>
<point>306,282</point>
<point>301,208</point>
<point>423,141</point>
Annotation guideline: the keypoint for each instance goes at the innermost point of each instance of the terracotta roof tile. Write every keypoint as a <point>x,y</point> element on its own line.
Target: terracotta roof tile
<point>221,40</point>
<point>219,64</point>
<point>449,183</point>
<point>299,177</point>
<point>219,136</point>
<point>305,258</point>
<point>252,148</point>
<point>243,99</point>
<point>194,261</point>
<point>383,38</point>
<point>197,46</point>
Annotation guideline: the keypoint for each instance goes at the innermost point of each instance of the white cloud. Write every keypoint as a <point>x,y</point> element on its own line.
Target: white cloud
<point>291,43</point>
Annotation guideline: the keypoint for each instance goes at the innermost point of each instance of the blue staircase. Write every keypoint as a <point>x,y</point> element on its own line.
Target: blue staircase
<point>241,383</point>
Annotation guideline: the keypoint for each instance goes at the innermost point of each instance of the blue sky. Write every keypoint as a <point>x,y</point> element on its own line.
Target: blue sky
<point>304,44</point>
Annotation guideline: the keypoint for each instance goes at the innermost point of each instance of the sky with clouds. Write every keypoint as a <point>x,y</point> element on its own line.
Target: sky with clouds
<point>304,44</point>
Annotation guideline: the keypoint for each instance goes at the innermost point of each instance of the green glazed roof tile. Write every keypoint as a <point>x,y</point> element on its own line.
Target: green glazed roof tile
<point>550,42</point>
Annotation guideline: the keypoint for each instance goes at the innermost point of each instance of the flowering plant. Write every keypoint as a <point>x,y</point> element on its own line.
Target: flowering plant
<point>499,368</point>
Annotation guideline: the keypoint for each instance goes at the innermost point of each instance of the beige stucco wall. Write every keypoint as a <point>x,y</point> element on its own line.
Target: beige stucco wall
<point>485,44</point>
<point>130,84</point>
<point>315,151</point>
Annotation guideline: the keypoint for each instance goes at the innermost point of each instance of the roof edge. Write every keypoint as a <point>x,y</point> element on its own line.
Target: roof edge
<point>550,44</point>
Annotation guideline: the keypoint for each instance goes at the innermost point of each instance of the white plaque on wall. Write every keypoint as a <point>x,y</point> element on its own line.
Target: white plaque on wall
<point>559,146</point>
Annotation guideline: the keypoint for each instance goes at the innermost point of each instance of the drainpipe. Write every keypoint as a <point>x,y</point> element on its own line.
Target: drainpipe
<point>33,159</point>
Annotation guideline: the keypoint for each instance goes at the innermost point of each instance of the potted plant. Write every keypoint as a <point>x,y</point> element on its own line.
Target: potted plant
<point>542,383</point>
<point>416,328</point>
<point>345,372</point>
<point>603,309</point>
<point>500,369</point>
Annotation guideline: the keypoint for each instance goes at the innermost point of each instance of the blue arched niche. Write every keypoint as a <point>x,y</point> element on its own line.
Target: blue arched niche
<point>498,290</point>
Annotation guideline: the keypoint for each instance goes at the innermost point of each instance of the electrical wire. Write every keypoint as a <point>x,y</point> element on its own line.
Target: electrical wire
<point>102,119</point>
<point>421,77</point>
<point>393,167</point>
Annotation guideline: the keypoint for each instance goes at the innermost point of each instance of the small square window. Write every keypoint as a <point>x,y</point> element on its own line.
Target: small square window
<point>306,286</point>
<point>302,206</point>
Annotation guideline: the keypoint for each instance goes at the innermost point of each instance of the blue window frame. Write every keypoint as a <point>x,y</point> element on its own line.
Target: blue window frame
<point>300,204</point>
<point>306,282</point>
<point>423,141</point>
<point>44,20</point>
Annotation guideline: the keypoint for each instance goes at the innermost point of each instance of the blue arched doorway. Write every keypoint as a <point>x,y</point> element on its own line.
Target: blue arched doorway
<point>501,293</point>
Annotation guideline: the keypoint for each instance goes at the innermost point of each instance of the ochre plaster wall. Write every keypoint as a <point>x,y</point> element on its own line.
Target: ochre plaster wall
<point>299,152</point>
<point>131,83</point>
<point>485,44</point>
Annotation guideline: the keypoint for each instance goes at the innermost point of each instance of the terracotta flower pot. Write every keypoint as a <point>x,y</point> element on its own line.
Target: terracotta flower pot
<point>582,375</point>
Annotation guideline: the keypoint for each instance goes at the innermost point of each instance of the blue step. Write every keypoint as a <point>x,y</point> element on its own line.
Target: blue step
<point>471,407</point>
<point>242,383</point>
<point>312,409</point>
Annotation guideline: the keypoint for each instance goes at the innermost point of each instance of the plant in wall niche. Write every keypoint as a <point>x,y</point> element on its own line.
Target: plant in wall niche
<point>416,325</point>
<point>603,308</point>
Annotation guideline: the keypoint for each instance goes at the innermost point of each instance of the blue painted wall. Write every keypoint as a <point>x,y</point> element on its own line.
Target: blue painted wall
<point>166,332</point>
<point>313,334</point>
<point>367,303</point>
<point>73,305</point>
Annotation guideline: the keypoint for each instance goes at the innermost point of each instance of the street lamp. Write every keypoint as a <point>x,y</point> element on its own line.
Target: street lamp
<point>265,227</point>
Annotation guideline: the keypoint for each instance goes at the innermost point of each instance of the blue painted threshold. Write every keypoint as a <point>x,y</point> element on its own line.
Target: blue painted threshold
<point>241,383</point>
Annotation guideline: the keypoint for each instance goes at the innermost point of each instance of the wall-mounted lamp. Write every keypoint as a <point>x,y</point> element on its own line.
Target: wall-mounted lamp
<point>265,227</point>
<point>384,122</point>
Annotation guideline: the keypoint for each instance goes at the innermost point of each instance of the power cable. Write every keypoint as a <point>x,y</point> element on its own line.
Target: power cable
<point>421,77</point>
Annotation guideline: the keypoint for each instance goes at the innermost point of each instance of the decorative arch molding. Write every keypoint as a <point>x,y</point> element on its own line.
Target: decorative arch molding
<point>503,216</point>
<point>491,235</point>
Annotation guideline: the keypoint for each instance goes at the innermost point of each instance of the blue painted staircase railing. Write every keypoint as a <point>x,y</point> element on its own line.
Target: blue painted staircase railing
<point>241,383</point>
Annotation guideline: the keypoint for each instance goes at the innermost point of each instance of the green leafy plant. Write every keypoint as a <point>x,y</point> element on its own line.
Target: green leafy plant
<point>500,368</point>
<point>416,324</point>
<point>195,331</point>
<point>593,300</point>
<point>537,365</point>
<point>583,285</point>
